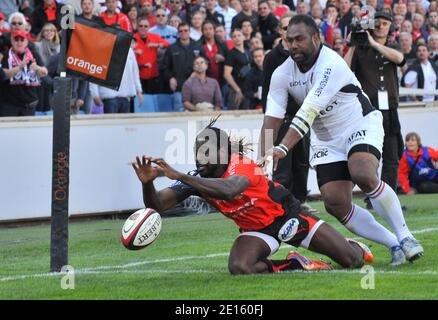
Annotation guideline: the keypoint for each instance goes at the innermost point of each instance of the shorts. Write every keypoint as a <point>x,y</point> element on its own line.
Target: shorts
<point>366,135</point>
<point>294,227</point>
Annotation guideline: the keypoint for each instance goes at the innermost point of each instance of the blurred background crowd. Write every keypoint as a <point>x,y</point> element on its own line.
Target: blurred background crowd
<point>190,55</point>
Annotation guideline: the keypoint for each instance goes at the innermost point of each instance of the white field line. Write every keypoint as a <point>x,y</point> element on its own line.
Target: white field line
<point>119,268</point>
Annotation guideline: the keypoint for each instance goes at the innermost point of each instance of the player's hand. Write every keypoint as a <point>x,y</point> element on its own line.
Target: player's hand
<point>144,170</point>
<point>166,169</point>
<point>269,162</point>
<point>277,155</point>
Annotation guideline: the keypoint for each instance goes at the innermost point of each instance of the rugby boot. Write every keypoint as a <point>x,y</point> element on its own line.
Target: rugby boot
<point>368,256</point>
<point>412,248</point>
<point>398,256</point>
<point>309,264</point>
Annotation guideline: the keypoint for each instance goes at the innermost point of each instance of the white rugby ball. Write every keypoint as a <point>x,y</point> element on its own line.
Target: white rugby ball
<point>141,229</point>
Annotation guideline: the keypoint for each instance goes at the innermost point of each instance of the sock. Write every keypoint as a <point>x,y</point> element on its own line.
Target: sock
<point>387,205</point>
<point>282,265</point>
<point>362,222</point>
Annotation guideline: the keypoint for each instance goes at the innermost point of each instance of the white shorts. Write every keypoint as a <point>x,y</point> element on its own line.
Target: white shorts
<point>368,131</point>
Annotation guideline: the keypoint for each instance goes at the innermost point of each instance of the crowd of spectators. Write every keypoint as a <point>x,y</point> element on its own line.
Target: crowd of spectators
<point>190,55</point>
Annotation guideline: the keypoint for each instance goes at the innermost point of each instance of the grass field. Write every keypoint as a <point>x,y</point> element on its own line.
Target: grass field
<point>189,261</point>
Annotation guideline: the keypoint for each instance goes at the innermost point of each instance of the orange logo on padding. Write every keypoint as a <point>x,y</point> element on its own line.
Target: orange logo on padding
<point>90,51</point>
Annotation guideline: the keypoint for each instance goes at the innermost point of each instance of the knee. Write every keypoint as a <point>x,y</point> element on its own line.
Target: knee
<point>337,206</point>
<point>366,182</point>
<point>239,267</point>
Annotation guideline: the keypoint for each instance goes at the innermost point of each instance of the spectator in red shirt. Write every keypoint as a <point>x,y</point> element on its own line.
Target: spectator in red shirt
<point>113,18</point>
<point>146,52</point>
<point>49,11</point>
<point>2,24</point>
<point>147,11</point>
<point>215,50</point>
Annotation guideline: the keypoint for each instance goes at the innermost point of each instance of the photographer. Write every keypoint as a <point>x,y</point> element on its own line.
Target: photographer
<point>375,63</point>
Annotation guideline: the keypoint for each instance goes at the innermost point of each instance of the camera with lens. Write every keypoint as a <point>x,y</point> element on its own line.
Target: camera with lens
<point>359,35</point>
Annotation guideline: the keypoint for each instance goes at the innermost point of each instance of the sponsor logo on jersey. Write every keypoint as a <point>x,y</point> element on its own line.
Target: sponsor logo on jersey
<point>320,154</point>
<point>298,83</point>
<point>324,81</point>
<point>288,230</point>
<point>328,108</point>
<point>357,136</point>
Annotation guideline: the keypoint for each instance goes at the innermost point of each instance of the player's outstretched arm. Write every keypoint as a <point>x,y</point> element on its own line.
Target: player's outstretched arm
<point>218,188</point>
<point>160,201</point>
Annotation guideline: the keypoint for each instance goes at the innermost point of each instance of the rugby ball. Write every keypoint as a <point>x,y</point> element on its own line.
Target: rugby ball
<point>141,229</point>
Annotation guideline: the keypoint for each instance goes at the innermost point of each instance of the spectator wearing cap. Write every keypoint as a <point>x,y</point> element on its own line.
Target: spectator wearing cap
<point>24,73</point>
<point>168,33</point>
<point>177,64</point>
<point>247,14</point>
<point>17,22</point>
<point>423,74</point>
<point>113,18</point>
<point>229,13</point>
<point>212,14</point>
<point>199,92</point>
<point>146,51</point>
<point>48,11</point>
<point>268,25</point>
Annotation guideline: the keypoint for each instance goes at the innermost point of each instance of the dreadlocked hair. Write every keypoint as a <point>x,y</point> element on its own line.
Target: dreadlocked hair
<point>238,145</point>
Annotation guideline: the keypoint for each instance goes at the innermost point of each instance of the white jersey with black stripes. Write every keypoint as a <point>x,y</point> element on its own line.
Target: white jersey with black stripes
<point>329,88</point>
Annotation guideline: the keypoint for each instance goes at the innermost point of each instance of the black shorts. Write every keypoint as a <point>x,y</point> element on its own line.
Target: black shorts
<point>296,227</point>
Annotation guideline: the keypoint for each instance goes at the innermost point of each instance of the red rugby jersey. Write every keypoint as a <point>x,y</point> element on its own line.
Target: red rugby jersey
<point>253,209</point>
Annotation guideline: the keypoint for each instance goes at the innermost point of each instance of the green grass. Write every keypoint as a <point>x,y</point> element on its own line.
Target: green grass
<point>176,266</point>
